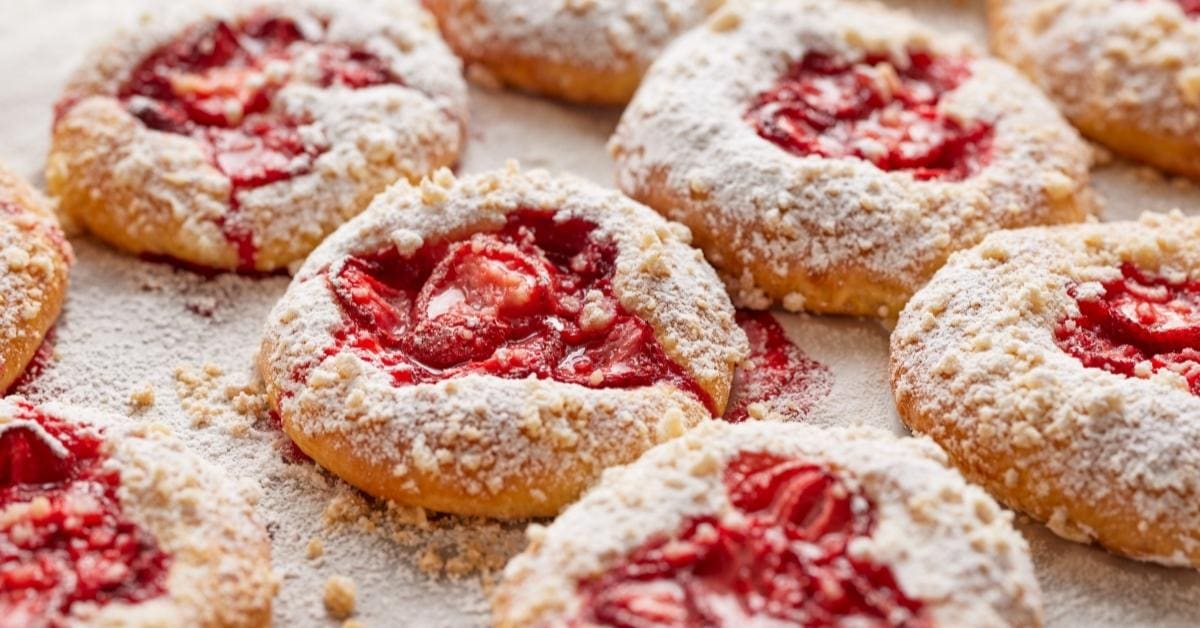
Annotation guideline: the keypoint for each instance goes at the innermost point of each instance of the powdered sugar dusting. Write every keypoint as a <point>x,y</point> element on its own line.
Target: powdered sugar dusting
<point>586,51</point>
<point>603,34</point>
<point>1116,68</point>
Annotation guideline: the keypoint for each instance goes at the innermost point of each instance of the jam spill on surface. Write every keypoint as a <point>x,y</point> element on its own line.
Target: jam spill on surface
<point>875,110</point>
<point>288,449</point>
<point>63,537</point>
<point>217,82</point>
<point>533,299</point>
<point>1139,319</point>
<point>777,373</point>
<point>784,561</point>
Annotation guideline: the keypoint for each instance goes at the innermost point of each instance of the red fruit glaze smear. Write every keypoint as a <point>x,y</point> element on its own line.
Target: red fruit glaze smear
<point>876,110</point>
<point>1139,320</point>
<point>1191,8</point>
<point>217,83</point>
<point>777,373</point>
<point>534,299</point>
<point>784,561</point>
<point>63,537</point>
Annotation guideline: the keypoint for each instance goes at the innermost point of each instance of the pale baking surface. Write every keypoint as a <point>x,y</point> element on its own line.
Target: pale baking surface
<point>130,325</point>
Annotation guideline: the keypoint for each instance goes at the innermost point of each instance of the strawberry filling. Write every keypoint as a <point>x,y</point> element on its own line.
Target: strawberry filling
<point>217,84</point>
<point>876,110</point>
<point>777,371</point>
<point>533,299</point>
<point>63,537</point>
<point>781,560</point>
<point>1140,325</point>
<point>1191,8</point>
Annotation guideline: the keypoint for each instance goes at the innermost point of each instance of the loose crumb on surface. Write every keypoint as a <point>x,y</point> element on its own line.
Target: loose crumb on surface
<point>340,596</point>
<point>141,397</point>
<point>315,549</point>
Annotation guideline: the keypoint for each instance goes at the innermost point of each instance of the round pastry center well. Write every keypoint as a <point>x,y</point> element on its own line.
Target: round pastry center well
<point>875,109</point>
<point>217,83</point>
<point>533,299</point>
<point>1136,326</point>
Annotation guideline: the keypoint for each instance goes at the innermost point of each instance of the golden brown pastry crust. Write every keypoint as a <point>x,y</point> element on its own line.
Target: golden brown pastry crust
<point>581,51</point>
<point>35,264</point>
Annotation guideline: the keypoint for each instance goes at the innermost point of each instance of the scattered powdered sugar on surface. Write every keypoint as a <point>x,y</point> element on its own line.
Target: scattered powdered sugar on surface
<point>130,324</point>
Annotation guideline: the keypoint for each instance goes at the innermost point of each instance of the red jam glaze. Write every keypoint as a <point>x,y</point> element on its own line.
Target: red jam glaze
<point>874,110</point>
<point>217,84</point>
<point>784,562</point>
<point>76,546</point>
<point>1139,318</point>
<point>1191,8</point>
<point>777,371</point>
<point>534,298</point>
<point>288,449</point>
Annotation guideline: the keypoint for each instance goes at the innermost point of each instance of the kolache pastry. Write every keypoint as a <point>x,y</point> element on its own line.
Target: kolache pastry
<point>1126,73</point>
<point>775,524</point>
<point>35,261</point>
<point>584,51</point>
<point>487,346</point>
<point>107,522</point>
<point>1060,368</point>
<point>828,156</point>
<point>238,138</point>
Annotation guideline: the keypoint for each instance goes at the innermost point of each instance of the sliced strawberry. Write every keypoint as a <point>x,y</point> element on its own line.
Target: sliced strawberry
<point>217,84</point>
<point>509,303</point>
<point>376,305</point>
<point>1138,319</point>
<point>466,309</point>
<point>26,458</point>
